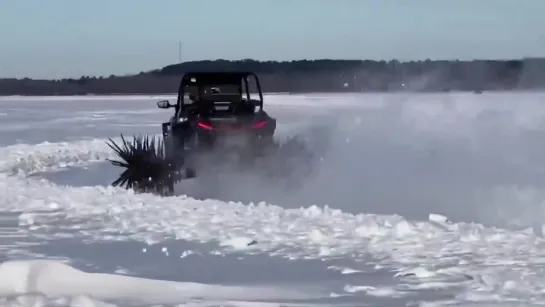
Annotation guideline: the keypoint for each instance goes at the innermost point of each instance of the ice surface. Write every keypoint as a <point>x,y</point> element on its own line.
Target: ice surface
<point>445,191</point>
<point>31,283</point>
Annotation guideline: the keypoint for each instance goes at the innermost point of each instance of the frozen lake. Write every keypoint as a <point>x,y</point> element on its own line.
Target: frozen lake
<point>368,228</point>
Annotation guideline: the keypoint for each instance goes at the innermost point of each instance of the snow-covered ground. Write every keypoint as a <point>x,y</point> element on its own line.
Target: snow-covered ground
<point>424,199</point>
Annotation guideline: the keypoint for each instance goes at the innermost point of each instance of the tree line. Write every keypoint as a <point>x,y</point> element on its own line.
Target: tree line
<point>326,75</point>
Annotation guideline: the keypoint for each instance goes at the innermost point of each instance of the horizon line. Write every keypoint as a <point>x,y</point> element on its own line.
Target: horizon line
<point>524,58</point>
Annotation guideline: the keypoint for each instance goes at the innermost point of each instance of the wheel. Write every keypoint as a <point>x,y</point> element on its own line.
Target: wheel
<point>175,154</point>
<point>168,190</point>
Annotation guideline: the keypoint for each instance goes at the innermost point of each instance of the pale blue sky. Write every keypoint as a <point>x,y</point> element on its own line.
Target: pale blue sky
<point>63,38</point>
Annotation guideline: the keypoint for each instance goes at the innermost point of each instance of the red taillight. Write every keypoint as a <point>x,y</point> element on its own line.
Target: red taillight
<point>259,125</point>
<point>205,126</point>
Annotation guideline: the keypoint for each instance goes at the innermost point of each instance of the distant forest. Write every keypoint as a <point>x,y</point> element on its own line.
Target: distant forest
<point>311,76</point>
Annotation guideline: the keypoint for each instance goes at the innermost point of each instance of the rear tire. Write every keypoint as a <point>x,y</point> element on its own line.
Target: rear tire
<point>168,190</point>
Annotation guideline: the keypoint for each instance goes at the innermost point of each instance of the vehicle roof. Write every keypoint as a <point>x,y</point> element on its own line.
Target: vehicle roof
<point>214,78</point>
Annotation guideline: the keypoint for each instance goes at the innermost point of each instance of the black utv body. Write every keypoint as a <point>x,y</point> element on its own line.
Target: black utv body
<point>216,112</point>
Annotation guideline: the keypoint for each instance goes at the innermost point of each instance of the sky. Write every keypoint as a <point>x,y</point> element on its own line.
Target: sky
<point>71,38</point>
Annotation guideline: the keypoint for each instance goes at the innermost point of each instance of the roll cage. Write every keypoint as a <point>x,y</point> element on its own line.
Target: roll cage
<point>201,81</point>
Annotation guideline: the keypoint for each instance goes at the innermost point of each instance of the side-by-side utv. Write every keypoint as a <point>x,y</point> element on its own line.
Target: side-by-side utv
<point>216,115</point>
